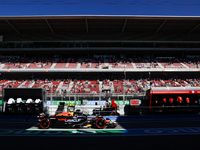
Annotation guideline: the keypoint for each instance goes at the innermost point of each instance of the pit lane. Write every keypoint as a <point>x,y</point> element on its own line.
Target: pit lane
<point>122,124</point>
<point>124,129</point>
<point>182,133</point>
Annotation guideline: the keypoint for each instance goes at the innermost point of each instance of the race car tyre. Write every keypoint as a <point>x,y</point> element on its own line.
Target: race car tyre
<point>100,123</point>
<point>44,123</point>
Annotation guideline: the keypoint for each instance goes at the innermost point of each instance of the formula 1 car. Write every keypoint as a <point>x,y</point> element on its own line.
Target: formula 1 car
<point>69,120</point>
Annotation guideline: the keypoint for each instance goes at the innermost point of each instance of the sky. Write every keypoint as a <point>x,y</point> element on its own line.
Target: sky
<point>100,7</point>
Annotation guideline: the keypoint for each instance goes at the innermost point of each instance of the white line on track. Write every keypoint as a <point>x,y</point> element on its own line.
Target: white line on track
<point>71,129</point>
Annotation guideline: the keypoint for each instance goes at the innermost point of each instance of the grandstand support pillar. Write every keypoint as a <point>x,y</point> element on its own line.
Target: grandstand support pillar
<point>125,72</point>
<point>149,75</point>
<point>51,93</point>
<point>75,95</point>
<point>123,93</point>
<point>99,95</point>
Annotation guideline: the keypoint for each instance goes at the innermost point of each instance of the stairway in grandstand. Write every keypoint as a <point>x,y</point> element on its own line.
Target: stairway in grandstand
<point>132,62</point>
<point>70,86</point>
<point>26,66</point>
<point>53,65</point>
<point>79,64</point>
<point>106,63</point>
<point>1,66</point>
<point>161,66</point>
<point>184,65</point>
<point>112,88</point>
<point>59,87</point>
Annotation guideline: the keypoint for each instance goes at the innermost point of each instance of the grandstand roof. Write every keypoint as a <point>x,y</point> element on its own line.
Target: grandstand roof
<point>156,28</point>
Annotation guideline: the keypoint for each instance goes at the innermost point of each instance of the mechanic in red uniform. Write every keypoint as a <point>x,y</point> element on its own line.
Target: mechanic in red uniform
<point>179,99</point>
<point>171,102</point>
<point>171,109</point>
<point>156,103</point>
<point>187,101</point>
<point>163,103</point>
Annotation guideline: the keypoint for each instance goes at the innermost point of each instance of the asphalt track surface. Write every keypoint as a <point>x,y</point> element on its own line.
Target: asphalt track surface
<point>167,140</point>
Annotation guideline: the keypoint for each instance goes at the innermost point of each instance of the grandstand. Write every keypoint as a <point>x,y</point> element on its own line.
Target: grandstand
<point>96,57</point>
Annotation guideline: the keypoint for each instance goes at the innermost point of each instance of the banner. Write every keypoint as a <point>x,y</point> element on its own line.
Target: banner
<point>92,102</point>
<point>78,102</point>
<point>121,102</point>
<point>89,102</point>
<point>135,102</point>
